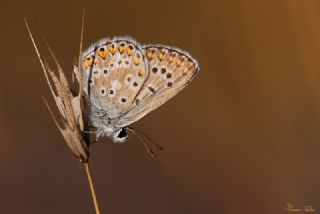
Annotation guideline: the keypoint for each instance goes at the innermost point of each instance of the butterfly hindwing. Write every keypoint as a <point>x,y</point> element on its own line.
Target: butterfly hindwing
<point>114,72</point>
<point>170,70</point>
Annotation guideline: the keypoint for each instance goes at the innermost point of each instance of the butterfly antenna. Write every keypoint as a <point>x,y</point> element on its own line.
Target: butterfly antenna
<point>151,153</point>
<point>148,138</point>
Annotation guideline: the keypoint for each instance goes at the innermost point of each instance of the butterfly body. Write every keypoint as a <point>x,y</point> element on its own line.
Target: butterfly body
<point>105,126</point>
<point>123,81</point>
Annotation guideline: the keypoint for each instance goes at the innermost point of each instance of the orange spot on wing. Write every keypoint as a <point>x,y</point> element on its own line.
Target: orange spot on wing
<point>150,54</point>
<point>112,50</point>
<point>137,61</point>
<point>161,56</point>
<point>88,62</point>
<point>102,54</point>
<point>141,72</point>
<point>172,57</point>
<point>122,49</point>
<point>130,50</point>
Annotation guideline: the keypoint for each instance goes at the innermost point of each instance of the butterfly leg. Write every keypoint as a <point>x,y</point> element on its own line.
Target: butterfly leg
<point>98,134</point>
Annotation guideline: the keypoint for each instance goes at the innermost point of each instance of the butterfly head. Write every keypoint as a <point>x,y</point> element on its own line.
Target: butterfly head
<point>120,135</point>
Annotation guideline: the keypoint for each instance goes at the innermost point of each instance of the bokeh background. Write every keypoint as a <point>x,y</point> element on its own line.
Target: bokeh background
<point>243,137</point>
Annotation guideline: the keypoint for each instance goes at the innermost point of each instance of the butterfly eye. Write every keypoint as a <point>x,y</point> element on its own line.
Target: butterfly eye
<point>122,134</point>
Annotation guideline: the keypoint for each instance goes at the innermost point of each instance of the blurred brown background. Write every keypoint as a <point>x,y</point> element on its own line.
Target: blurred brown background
<point>243,137</point>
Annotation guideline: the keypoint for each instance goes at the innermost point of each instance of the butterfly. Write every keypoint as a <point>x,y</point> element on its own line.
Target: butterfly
<point>123,81</point>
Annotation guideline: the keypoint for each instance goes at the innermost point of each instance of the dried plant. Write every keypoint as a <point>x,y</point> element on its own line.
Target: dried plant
<point>71,109</point>
<point>121,81</point>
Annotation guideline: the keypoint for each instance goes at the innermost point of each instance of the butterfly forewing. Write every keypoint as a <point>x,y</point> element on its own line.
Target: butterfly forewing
<point>170,70</point>
<point>114,74</point>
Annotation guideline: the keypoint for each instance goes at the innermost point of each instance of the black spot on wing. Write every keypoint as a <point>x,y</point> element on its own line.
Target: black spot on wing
<point>152,89</point>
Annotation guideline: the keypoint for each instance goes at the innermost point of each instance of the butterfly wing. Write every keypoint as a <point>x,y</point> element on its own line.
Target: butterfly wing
<point>114,72</point>
<point>170,70</point>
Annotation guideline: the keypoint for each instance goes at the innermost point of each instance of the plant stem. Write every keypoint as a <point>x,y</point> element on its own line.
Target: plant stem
<point>93,192</point>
